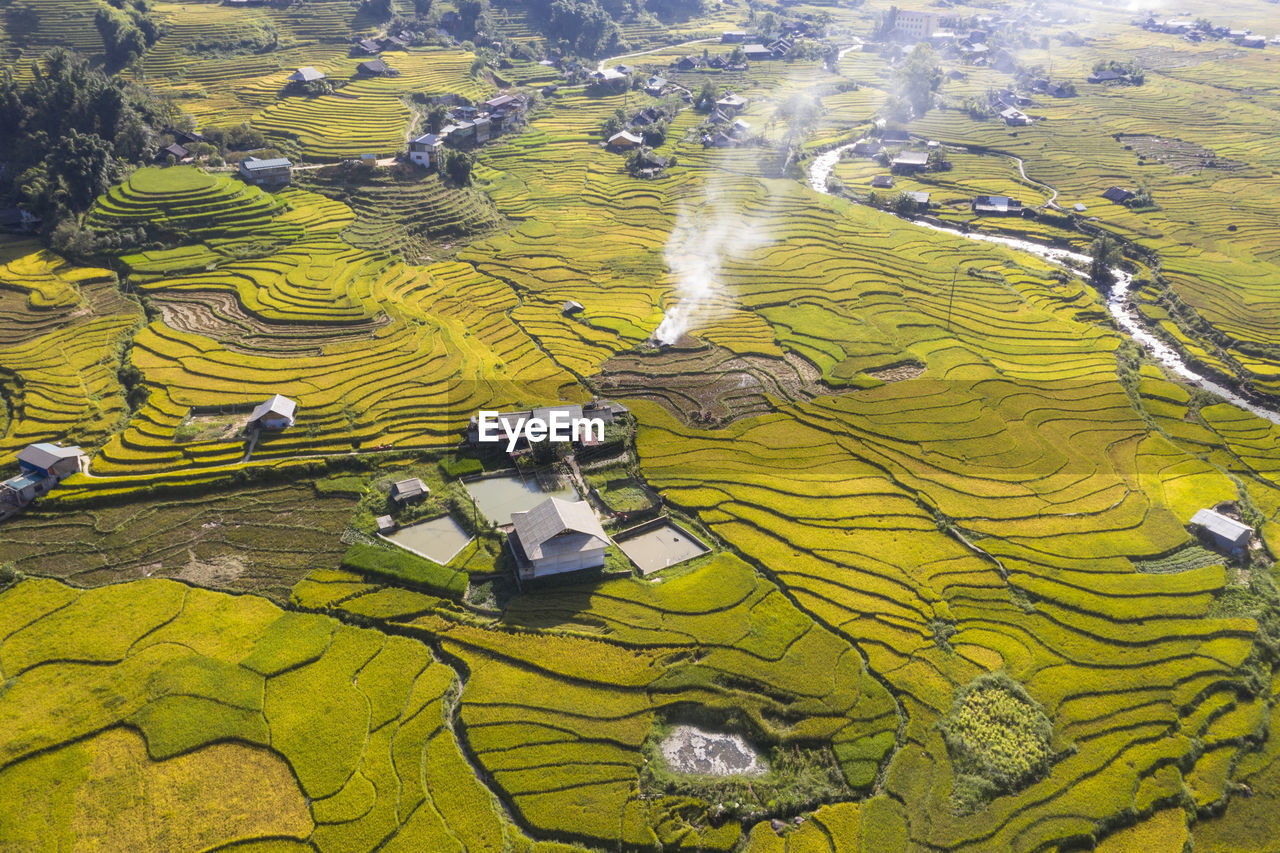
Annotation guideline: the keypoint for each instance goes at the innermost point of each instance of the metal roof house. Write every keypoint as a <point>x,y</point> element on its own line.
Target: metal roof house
<point>277,170</point>
<point>412,489</point>
<point>731,101</point>
<point>276,413</point>
<point>910,161</point>
<point>50,460</point>
<point>998,205</point>
<point>427,150</point>
<point>42,466</point>
<point>1224,533</point>
<point>623,140</point>
<point>556,536</point>
<point>305,74</point>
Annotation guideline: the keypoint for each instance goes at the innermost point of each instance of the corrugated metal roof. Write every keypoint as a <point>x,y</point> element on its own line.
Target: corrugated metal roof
<point>1220,525</point>
<point>253,164</point>
<point>43,455</point>
<point>277,405</point>
<point>554,517</point>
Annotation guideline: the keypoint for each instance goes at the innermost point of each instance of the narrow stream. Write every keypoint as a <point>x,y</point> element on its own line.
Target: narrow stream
<point>1118,302</point>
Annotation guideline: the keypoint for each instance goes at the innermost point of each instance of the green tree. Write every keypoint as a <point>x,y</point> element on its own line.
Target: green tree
<point>457,167</point>
<point>1104,254</point>
<point>918,78</point>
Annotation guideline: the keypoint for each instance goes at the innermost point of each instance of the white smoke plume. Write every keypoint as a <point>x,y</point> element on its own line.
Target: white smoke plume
<point>702,240</point>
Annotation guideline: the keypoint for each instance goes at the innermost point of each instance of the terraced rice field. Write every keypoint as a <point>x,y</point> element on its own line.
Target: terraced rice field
<point>917,459</point>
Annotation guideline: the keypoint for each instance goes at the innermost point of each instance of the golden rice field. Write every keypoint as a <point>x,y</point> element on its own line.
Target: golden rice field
<point>975,472</point>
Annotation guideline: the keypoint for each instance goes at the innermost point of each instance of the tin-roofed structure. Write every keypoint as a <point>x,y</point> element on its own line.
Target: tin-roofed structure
<point>1224,533</point>
<point>557,536</point>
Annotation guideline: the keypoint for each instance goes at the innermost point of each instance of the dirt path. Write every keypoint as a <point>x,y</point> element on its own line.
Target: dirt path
<point>614,60</point>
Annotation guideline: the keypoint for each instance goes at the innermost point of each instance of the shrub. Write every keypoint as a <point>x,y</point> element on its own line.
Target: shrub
<point>998,737</point>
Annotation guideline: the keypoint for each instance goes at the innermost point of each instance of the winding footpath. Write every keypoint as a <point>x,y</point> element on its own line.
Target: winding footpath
<point>1118,302</point>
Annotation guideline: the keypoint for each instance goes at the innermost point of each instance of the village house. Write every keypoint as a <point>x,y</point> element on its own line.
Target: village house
<point>623,141</point>
<point>649,164</point>
<point>915,26</point>
<point>689,63</point>
<point>882,182</point>
<point>185,137</point>
<point>367,47</point>
<point>1119,195</point>
<point>176,151</point>
<point>260,173</point>
<point>1106,76</point>
<point>386,524</point>
<point>757,52</point>
<point>483,126</point>
<point>570,307</point>
<point>910,161</point>
<point>646,117</point>
<point>376,68</point>
<point>919,198</point>
<point>867,148</point>
<point>41,467</point>
<point>731,103</point>
<point>654,86</point>
<point>1222,532</point>
<point>996,205</point>
<point>275,413</point>
<point>16,219</point>
<point>556,536</point>
<point>610,77</point>
<point>895,137</point>
<point>733,37</point>
<point>427,150</point>
<point>1015,117</point>
<point>407,491</point>
<point>306,74</point>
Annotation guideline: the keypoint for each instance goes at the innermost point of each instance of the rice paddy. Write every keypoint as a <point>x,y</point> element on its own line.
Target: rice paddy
<point>940,493</point>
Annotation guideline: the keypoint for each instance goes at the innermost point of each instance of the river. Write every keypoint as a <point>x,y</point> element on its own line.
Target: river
<point>1118,302</point>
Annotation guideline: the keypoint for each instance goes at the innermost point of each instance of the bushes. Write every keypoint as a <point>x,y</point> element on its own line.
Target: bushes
<point>998,738</point>
<point>403,566</point>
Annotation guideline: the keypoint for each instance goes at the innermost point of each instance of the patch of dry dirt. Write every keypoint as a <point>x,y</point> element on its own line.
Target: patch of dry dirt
<point>708,385</point>
<point>1181,156</point>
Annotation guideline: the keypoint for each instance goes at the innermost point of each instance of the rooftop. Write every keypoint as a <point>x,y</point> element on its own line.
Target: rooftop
<point>1221,525</point>
<point>553,518</point>
<point>253,164</point>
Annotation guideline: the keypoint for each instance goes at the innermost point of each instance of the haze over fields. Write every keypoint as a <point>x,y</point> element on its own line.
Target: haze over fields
<point>934,352</point>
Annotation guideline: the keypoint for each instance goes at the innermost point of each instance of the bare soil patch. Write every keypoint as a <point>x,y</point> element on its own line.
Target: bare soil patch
<point>221,317</point>
<point>1181,156</point>
<point>898,373</point>
<point>704,384</point>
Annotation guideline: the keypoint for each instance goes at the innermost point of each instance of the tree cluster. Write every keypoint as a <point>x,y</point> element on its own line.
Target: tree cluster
<point>915,82</point>
<point>69,133</point>
<point>127,30</point>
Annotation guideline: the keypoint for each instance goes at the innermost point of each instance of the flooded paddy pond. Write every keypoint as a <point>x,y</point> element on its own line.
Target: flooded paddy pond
<point>498,497</point>
<point>439,539</point>
<point>689,749</point>
<point>659,547</point>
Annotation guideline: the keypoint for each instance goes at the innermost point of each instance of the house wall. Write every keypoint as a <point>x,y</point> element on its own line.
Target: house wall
<point>919,25</point>
<point>273,422</point>
<point>568,562</point>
